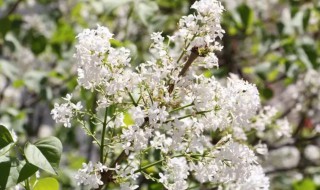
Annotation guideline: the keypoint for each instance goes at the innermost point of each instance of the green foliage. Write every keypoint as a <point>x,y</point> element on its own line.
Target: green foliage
<point>26,171</point>
<point>5,137</point>
<point>48,183</point>
<point>305,184</point>
<point>44,154</point>
<point>51,148</point>
<point>35,156</point>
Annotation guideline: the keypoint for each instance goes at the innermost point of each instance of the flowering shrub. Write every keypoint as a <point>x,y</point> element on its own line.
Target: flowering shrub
<point>175,110</point>
<point>166,123</point>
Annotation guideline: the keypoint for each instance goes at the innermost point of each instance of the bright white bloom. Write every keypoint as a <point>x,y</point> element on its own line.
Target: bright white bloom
<point>137,115</point>
<point>118,122</point>
<point>211,61</point>
<point>176,174</point>
<point>264,118</point>
<point>136,138</point>
<point>234,165</point>
<point>91,50</point>
<point>63,113</point>
<point>90,174</point>
<point>205,24</point>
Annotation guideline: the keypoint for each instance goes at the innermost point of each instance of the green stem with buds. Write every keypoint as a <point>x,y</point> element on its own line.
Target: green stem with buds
<point>103,135</point>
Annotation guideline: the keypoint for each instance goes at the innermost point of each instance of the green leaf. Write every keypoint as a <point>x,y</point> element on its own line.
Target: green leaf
<point>5,137</point>
<point>27,171</point>
<point>267,93</point>
<point>48,183</point>
<point>246,16</point>
<point>4,151</point>
<point>5,24</point>
<point>51,148</point>
<point>9,171</point>
<point>306,184</point>
<point>5,172</point>
<point>35,157</point>
<point>306,18</point>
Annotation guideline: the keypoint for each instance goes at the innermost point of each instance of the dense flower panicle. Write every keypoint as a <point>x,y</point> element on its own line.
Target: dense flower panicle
<point>90,53</point>
<point>204,27</point>
<point>173,112</point>
<point>100,65</point>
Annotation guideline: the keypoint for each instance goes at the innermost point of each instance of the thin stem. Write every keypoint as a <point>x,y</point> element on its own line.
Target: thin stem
<point>13,8</point>
<point>185,50</point>
<point>155,163</point>
<point>148,166</point>
<point>189,115</point>
<point>180,108</point>
<point>90,134</point>
<point>132,99</point>
<point>27,184</point>
<point>103,135</point>
<point>193,56</point>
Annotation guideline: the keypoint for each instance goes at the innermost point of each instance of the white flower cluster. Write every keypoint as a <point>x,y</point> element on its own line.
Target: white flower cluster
<point>269,127</point>
<point>90,174</point>
<point>235,166</point>
<point>63,113</point>
<point>100,65</point>
<point>175,110</point>
<point>202,28</point>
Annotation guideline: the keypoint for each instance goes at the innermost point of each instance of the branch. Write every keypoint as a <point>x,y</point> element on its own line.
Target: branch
<point>193,56</point>
<point>13,8</point>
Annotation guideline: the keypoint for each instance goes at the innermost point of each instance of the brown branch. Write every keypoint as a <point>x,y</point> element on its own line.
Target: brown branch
<point>193,56</point>
<point>107,177</point>
<point>13,8</point>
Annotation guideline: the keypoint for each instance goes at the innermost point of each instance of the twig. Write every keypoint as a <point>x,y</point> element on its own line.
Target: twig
<point>193,56</point>
<point>13,8</point>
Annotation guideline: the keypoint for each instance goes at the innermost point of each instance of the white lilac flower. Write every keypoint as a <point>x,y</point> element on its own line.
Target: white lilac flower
<point>234,165</point>
<point>264,118</point>
<point>204,27</point>
<point>160,141</point>
<point>118,122</point>
<point>176,174</point>
<point>137,137</point>
<point>63,113</point>
<point>90,174</point>
<point>99,64</point>
<point>137,115</point>
<point>243,100</point>
<point>91,49</point>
